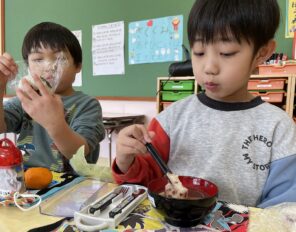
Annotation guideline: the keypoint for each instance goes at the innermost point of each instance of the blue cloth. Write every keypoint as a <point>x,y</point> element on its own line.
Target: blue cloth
<point>280,185</point>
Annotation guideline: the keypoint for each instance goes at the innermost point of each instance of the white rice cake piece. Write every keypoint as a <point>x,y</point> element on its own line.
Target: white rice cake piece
<point>175,189</point>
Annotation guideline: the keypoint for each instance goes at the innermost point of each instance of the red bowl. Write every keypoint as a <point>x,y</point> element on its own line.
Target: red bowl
<point>184,212</point>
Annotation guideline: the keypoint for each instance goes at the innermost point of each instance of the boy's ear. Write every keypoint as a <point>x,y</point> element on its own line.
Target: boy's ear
<point>265,52</point>
<point>78,68</point>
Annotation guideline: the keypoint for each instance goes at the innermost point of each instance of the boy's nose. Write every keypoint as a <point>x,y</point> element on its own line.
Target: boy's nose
<point>48,67</point>
<point>211,67</point>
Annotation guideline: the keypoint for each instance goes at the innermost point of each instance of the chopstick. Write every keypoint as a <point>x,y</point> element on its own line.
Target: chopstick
<point>165,169</point>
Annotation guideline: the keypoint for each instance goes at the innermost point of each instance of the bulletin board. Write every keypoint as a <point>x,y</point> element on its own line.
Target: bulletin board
<point>140,80</point>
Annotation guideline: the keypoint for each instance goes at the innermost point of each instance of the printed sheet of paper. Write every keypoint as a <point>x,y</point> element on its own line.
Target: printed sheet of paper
<point>108,49</point>
<point>290,18</point>
<point>78,78</point>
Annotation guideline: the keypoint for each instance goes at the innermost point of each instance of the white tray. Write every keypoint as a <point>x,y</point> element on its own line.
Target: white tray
<point>87,221</point>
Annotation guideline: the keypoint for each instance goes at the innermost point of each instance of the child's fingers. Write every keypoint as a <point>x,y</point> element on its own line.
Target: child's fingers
<point>24,98</point>
<point>7,65</point>
<point>132,139</point>
<point>28,89</point>
<point>4,69</point>
<point>131,146</point>
<point>140,132</point>
<point>38,83</point>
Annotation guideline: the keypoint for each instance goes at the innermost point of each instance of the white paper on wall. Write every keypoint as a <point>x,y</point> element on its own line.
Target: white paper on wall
<point>108,49</point>
<point>78,78</point>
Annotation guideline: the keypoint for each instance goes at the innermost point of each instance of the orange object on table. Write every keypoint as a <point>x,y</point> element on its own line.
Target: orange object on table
<point>37,178</point>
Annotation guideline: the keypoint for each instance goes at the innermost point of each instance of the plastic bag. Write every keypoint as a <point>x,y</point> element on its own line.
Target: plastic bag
<point>278,218</point>
<point>82,168</point>
<point>49,71</point>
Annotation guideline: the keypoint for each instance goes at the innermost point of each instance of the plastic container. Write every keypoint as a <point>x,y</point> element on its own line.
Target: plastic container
<point>272,97</point>
<point>175,95</point>
<point>178,85</point>
<point>277,69</point>
<point>266,84</point>
<point>11,169</point>
<point>115,210</point>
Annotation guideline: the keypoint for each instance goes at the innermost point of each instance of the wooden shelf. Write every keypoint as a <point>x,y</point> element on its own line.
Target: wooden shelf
<point>289,88</point>
<point>288,99</point>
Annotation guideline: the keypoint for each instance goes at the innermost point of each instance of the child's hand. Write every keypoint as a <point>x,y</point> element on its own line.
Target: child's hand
<point>8,69</point>
<point>131,141</point>
<point>43,106</point>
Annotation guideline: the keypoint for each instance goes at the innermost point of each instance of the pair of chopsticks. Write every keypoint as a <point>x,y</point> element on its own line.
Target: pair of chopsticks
<point>163,166</point>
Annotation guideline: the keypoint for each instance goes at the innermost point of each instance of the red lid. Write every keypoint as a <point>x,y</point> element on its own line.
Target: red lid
<point>10,155</point>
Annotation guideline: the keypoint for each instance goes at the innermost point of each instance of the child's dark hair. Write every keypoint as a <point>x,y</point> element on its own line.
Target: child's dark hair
<point>53,36</point>
<point>253,20</point>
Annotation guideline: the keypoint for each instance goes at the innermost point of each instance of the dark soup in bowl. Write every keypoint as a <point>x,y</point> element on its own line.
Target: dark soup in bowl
<point>201,198</point>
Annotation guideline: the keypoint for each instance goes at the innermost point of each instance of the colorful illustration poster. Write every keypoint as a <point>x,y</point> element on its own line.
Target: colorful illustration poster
<point>156,40</point>
<point>290,18</point>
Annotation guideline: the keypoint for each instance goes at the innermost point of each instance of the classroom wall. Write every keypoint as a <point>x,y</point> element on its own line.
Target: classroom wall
<point>139,80</point>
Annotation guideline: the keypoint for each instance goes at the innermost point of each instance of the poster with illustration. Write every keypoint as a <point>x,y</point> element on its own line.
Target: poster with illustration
<point>156,40</point>
<point>291,18</point>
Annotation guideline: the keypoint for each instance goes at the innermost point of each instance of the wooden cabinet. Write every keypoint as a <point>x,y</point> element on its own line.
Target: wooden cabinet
<point>278,89</point>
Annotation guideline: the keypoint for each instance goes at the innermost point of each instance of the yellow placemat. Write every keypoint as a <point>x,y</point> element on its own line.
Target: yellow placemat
<point>144,216</point>
<point>13,219</point>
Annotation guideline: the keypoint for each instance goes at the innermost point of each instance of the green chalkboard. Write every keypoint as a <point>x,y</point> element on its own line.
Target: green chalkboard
<point>139,80</point>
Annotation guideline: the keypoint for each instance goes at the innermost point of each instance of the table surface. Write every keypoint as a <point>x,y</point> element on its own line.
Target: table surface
<point>225,217</point>
<point>115,116</point>
<point>119,120</point>
<point>12,219</point>
<point>144,216</point>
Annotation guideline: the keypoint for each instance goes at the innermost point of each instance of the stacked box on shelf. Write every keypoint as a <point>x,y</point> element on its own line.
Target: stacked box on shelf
<point>277,69</point>
<point>270,90</point>
<point>174,90</point>
<point>267,86</point>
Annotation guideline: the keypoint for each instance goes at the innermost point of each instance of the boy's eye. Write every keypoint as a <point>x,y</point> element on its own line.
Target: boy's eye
<point>60,57</point>
<point>37,60</point>
<point>227,54</point>
<point>198,53</point>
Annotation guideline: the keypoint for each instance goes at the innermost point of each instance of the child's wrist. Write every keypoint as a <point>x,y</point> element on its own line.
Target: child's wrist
<point>56,129</point>
<point>124,164</point>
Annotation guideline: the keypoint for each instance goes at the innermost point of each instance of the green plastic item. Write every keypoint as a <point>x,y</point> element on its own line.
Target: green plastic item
<point>175,95</point>
<point>178,85</point>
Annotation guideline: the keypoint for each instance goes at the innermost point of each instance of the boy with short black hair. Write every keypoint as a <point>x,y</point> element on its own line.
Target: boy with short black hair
<point>226,135</point>
<point>51,126</point>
